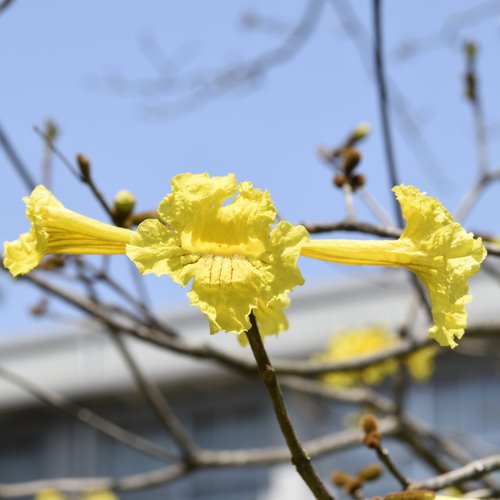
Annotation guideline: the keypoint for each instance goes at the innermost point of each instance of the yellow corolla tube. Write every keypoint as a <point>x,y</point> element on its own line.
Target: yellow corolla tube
<point>57,230</point>
<point>435,247</point>
<point>220,235</point>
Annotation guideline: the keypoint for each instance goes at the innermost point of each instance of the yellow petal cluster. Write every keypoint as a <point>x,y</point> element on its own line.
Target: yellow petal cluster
<point>435,247</point>
<point>217,233</point>
<point>57,230</point>
<point>357,343</point>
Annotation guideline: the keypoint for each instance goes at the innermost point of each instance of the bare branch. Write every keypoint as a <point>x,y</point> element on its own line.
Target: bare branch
<point>473,470</point>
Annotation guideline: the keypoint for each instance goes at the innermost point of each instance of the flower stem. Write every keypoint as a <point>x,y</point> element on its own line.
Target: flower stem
<point>300,459</point>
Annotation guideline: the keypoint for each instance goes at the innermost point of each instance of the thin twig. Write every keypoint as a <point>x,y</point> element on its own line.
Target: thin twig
<point>383,102</point>
<point>410,128</point>
<point>87,417</point>
<point>57,152</point>
<point>474,192</point>
<point>375,207</point>
<point>385,458</point>
<point>86,179</point>
<point>16,161</point>
<point>157,402</point>
<point>300,459</point>
<point>348,201</point>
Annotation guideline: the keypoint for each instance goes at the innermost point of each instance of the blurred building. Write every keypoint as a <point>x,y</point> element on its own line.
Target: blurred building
<point>225,410</point>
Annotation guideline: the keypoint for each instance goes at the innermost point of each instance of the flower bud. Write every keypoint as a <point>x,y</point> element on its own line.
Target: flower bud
<point>339,180</point>
<point>357,181</point>
<point>370,472</point>
<point>352,486</point>
<point>351,157</point>
<point>124,202</point>
<point>369,423</point>
<point>360,131</point>
<point>84,165</point>
<point>340,478</point>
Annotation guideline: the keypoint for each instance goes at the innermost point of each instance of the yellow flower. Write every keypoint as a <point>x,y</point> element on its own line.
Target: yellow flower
<point>435,247</point>
<point>356,343</point>
<point>57,230</point>
<point>420,363</point>
<point>218,234</point>
<point>50,494</point>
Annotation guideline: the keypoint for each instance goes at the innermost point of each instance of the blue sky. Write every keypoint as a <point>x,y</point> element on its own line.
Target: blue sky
<point>58,58</point>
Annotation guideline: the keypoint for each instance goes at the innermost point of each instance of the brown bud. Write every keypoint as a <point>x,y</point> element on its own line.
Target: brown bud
<point>369,423</point>
<point>354,485</point>
<point>351,157</point>
<point>84,165</point>
<point>357,181</point>
<point>372,439</point>
<point>370,472</point>
<point>339,180</point>
<point>340,478</point>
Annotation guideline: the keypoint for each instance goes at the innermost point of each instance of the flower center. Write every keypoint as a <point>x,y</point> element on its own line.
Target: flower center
<point>222,270</point>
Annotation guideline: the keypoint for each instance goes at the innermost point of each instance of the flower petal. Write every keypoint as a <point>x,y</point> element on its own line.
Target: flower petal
<point>446,258</point>
<point>55,229</point>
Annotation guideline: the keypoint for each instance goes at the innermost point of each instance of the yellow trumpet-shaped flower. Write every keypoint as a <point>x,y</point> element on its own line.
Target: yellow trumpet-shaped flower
<point>435,247</point>
<point>218,234</point>
<point>356,343</point>
<point>57,230</point>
